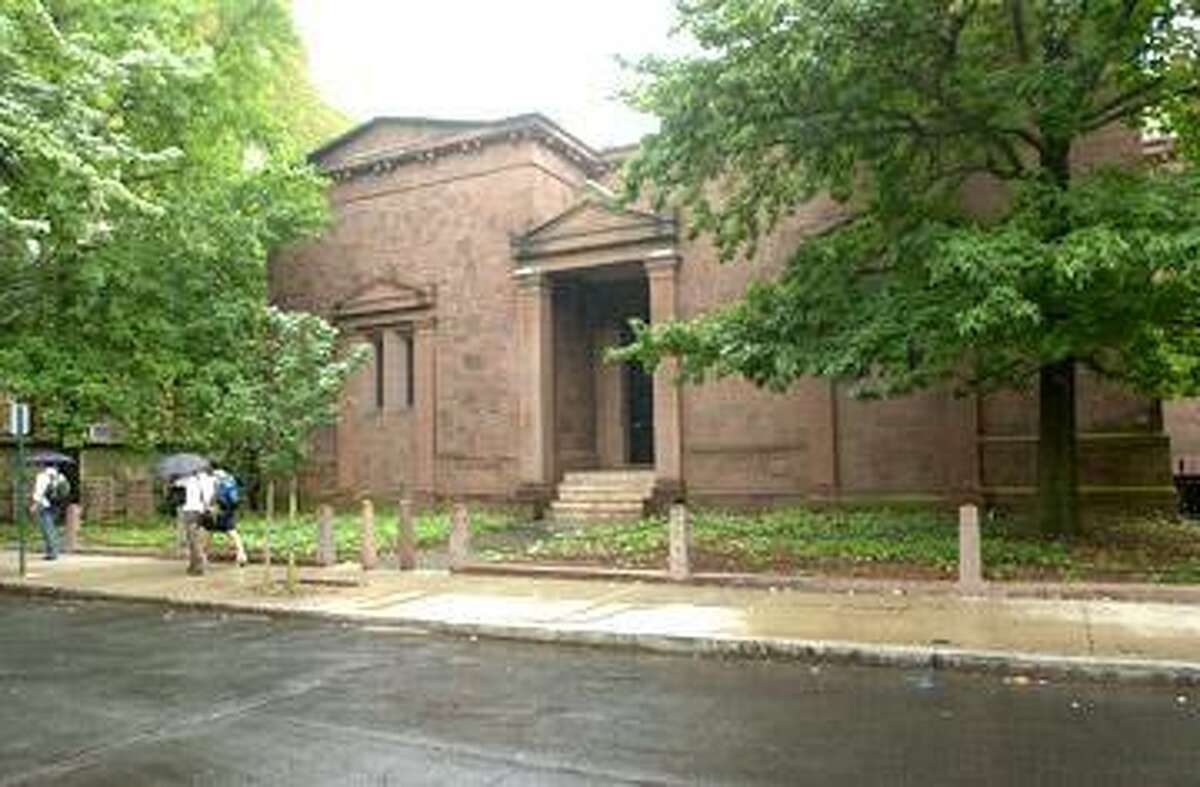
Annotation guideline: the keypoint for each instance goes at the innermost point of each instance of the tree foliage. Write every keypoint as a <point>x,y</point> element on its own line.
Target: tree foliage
<point>898,108</point>
<point>144,310</point>
<point>298,371</point>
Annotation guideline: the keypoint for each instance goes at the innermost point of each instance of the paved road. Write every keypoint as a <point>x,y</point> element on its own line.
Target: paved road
<point>110,694</point>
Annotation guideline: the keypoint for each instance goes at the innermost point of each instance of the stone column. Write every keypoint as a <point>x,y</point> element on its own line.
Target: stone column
<point>535,373</point>
<point>368,556</point>
<point>326,549</point>
<point>460,537</point>
<point>662,270</point>
<point>970,561</point>
<point>406,537</point>
<point>612,448</point>
<point>425,408</point>
<point>74,518</point>
<point>680,562</point>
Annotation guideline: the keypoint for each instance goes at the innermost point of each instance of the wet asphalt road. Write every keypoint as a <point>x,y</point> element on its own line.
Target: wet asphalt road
<point>121,695</point>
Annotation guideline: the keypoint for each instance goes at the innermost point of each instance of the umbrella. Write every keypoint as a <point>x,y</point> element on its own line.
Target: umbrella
<point>176,465</point>
<point>48,458</point>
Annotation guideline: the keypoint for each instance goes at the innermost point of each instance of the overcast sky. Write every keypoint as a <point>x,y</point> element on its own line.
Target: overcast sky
<point>484,59</point>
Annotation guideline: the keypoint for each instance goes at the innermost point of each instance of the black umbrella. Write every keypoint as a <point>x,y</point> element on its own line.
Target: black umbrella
<point>48,458</point>
<point>177,465</point>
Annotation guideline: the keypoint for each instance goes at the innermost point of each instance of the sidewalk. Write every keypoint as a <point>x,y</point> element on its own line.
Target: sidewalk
<point>1072,637</point>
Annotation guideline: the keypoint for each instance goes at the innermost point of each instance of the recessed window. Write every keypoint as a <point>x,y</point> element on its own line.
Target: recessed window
<point>377,345</point>
<point>410,391</point>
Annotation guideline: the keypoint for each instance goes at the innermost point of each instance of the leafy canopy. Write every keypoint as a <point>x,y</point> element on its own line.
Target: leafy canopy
<point>298,372</point>
<point>197,109</point>
<point>899,108</point>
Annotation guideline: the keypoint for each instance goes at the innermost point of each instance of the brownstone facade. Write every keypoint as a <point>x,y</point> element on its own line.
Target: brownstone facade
<point>489,271</point>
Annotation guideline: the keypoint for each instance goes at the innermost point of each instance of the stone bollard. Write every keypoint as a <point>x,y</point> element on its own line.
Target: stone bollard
<point>326,551</point>
<point>366,543</point>
<point>970,562</point>
<point>74,520</point>
<point>680,566</point>
<point>460,537</point>
<point>406,537</point>
<point>181,548</point>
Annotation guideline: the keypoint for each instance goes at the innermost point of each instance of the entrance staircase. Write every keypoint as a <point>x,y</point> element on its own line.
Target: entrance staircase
<point>602,496</point>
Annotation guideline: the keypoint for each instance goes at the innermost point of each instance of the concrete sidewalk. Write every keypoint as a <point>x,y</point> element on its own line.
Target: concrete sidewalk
<point>1087,638</point>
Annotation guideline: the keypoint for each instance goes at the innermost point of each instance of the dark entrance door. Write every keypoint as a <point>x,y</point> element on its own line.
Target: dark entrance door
<point>639,390</point>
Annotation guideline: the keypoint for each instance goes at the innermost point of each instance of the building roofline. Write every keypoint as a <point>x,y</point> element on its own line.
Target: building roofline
<point>476,135</point>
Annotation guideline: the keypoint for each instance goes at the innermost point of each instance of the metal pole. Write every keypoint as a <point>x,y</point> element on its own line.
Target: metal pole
<point>20,476</point>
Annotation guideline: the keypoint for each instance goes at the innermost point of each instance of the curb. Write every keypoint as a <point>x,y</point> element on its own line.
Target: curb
<point>933,657</point>
<point>1172,594</point>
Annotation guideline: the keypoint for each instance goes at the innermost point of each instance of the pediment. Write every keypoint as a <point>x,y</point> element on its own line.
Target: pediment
<point>382,135</point>
<point>594,221</point>
<point>383,297</point>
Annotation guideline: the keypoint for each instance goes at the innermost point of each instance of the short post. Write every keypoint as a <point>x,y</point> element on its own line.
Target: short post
<point>680,566</point>
<point>366,542</point>
<point>181,537</point>
<point>326,553</point>
<point>460,537</point>
<point>970,562</point>
<point>406,537</point>
<point>74,519</point>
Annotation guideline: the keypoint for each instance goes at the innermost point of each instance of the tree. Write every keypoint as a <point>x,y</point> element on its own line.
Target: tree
<point>294,375</point>
<point>144,320</point>
<point>64,163</point>
<point>895,107</point>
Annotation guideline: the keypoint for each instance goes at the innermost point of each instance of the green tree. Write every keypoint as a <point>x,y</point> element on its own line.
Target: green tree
<point>292,378</point>
<point>65,161</point>
<point>895,107</point>
<point>147,319</point>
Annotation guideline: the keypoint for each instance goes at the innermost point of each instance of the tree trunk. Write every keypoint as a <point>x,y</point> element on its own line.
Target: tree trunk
<point>293,500</point>
<point>1057,462</point>
<point>270,522</point>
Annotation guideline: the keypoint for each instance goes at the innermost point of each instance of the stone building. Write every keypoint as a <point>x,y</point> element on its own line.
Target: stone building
<point>488,268</point>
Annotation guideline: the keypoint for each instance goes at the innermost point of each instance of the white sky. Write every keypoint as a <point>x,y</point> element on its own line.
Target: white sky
<point>484,59</point>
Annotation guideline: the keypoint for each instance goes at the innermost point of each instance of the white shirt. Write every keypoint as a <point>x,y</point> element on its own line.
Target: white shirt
<point>41,486</point>
<point>198,492</point>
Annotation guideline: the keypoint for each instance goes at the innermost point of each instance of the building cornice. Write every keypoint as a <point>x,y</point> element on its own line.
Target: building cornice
<point>475,137</point>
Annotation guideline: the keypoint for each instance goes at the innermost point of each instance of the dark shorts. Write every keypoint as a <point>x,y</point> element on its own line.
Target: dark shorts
<point>220,522</point>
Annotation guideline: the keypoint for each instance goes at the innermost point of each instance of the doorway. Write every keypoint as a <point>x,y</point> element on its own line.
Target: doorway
<point>639,400</point>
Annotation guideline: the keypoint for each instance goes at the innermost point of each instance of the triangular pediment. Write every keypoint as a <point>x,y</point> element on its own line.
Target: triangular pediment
<point>382,135</point>
<point>595,220</point>
<point>382,297</point>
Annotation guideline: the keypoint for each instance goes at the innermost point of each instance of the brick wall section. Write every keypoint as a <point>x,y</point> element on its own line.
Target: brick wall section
<point>443,225</point>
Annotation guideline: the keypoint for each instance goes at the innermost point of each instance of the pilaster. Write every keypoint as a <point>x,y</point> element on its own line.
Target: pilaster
<point>662,271</point>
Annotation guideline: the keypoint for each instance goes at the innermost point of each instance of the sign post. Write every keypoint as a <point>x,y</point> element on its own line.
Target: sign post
<point>18,427</point>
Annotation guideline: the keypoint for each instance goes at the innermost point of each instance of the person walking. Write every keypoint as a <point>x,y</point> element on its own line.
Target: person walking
<point>198,491</point>
<point>227,498</point>
<point>44,502</point>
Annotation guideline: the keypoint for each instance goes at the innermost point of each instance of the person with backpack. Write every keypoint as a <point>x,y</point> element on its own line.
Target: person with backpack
<point>51,492</point>
<point>199,488</point>
<point>226,498</point>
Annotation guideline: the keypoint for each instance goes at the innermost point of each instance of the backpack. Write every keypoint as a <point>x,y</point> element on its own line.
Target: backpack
<point>59,492</point>
<point>228,494</point>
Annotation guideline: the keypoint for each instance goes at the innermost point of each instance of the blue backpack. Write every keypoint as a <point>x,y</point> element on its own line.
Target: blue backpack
<point>228,494</point>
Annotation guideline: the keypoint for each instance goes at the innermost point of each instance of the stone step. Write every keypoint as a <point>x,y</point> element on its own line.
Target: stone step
<point>641,490</point>
<point>609,477</point>
<point>561,511</point>
<point>585,494</point>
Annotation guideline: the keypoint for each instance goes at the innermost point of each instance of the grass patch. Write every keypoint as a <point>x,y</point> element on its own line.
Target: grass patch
<point>890,543</point>
<point>432,532</point>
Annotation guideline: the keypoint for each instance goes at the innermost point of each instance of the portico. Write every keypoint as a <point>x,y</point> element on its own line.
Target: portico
<point>580,278</point>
